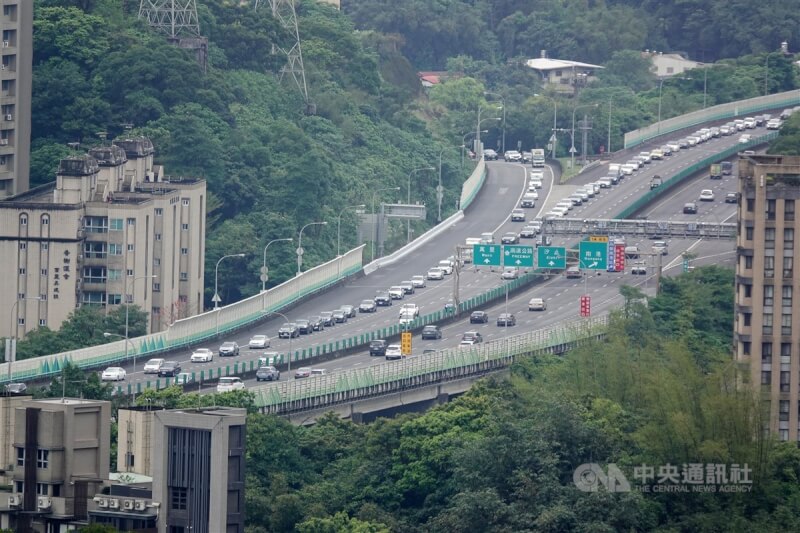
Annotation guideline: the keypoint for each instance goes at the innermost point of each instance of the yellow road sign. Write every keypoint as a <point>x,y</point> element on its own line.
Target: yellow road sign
<point>405,342</point>
<point>598,238</point>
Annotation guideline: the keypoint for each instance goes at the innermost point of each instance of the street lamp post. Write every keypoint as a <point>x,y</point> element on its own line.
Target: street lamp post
<point>300,245</point>
<point>375,218</point>
<point>11,346</point>
<point>572,149</point>
<point>132,286</point>
<point>408,199</point>
<point>216,298</point>
<point>464,144</point>
<point>339,225</point>
<point>503,100</point>
<point>127,341</point>
<point>264,271</point>
<point>660,85</point>
<point>478,147</point>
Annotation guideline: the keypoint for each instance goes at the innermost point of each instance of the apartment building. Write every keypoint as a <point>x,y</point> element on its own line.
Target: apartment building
<point>767,324</point>
<point>16,23</point>
<point>8,406</point>
<point>111,229</point>
<point>61,448</point>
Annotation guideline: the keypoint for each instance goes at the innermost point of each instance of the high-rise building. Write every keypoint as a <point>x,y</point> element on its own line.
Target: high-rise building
<point>198,459</point>
<point>112,229</point>
<point>16,67</point>
<point>767,319</point>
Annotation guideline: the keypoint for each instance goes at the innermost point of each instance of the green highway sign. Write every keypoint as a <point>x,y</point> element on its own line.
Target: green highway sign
<point>518,256</point>
<point>593,255</point>
<point>551,257</point>
<point>486,255</point>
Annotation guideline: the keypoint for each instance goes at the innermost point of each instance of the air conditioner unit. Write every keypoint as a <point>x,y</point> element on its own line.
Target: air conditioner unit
<point>3,142</point>
<point>127,505</point>
<point>6,44</point>
<point>43,503</point>
<point>113,503</point>
<point>14,501</point>
<point>102,503</point>
<point>140,505</point>
<point>9,117</point>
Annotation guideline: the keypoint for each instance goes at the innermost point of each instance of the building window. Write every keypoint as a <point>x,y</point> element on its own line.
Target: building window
<point>159,211</point>
<point>747,318</point>
<point>45,221</point>
<point>95,224</point>
<point>185,227</point>
<point>43,297</point>
<point>114,299</point>
<point>751,205</point>
<point>42,321</point>
<point>769,237</point>
<point>42,458</point>
<point>23,246</point>
<point>769,293</point>
<point>41,489</point>
<point>22,271</point>
<point>766,351</point>
<point>786,324</point>
<point>156,287</point>
<point>114,249</point>
<point>766,377</point>
<point>788,262</point>
<point>158,236</point>
<point>785,388</point>
<point>20,456</point>
<point>745,347</point>
<point>769,266</point>
<point>786,349</point>
<point>748,233</point>
<point>45,246</point>
<point>129,272</point>
<point>44,272</point>
<point>783,409</point>
<point>185,201</point>
<point>156,311</point>
<point>184,251</point>
<point>788,239</point>
<point>770,209</point>
<point>184,276</point>
<point>116,224</point>
<point>788,210</point>
<point>20,321</point>
<point>114,273</point>
<point>178,498</point>
<point>131,247</point>
<point>748,261</point>
<point>748,290</point>
<point>786,296</point>
<point>766,326</point>
<point>157,261</point>
<point>129,298</point>
<point>23,220</point>
<point>19,486</point>
<point>131,221</point>
<point>20,296</point>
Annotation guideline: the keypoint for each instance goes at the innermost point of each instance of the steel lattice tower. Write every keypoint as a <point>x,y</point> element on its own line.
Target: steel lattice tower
<point>173,17</point>
<point>284,12</point>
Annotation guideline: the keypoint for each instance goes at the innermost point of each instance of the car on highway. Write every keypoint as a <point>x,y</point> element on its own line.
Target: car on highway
<point>302,372</point>
<point>512,156</point>
<point>632,252</point>
<point>152,366</point>
<point>410,308</point>
<point>15,388</point>
<point>544,240</point>
<point>673,146</point>
<point>304,326</point>
<point>517,215</point>
<point>327,318</point>
<point>605,183</point>
<point>479,317</point>
<point>258,341</point>
<point>230,384</point>
<point>393,351</point>
<point>184,378</point>
<point>646,157</point>
<point>489,154</point>
<point>367,306</point>
<point>383,299</point>
<point>406,319</point>
<point>537,304</point>
<point>774,124</point>
<point>418,282</point>
<point>506,320</point>
<point>536,183</point>
<point>657,154</point>
<point>378,347</point>
<point>435,274</point>
<point>396,292</point>
<point>732,198</point>
<point>510,273</point>
<point>340,316</point>
<point>289,330</point>
<point>528,232</point>
<point>202,355</point>
<point>706,195</point>
<point>744,139</point>
<point>349,310</point>
<point>690,208</point>
<point>169,369</point>
<point>408,287</point>
<point>447,266</point>
<point>639,269</point>
<point>113,373</point>
<point>573,272</point>
<point>431,332</point>
<point>470,338</point>
<point>529,199</point>
<point>509,238</point>
<point>268,373</point>
<point>537,175</point>
<point>316,323</point>
<point>228,348</point>
<point>660,247</point>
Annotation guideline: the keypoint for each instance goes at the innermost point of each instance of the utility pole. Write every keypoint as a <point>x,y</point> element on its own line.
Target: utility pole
<point>658,273</point>
<point>456,281</point>
<point>585,127</point>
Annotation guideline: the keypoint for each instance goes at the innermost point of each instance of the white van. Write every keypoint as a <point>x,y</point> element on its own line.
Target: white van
<point>487,238</point>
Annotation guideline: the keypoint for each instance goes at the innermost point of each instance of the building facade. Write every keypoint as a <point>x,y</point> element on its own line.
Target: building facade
<point>16,22</point>
<point>562,75</point>
<point>767,324</point>
<point>111,230</point>
<point>199,470</point>
<point>8,406</point>
<point>61,449</point>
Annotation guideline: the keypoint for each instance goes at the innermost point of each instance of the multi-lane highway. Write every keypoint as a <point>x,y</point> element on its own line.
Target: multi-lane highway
<point>505,184</point>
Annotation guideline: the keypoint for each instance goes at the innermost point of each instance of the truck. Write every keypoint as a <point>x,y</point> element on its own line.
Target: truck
<point>537,157</point>
<point>727,168</point>
<point>715,172</point>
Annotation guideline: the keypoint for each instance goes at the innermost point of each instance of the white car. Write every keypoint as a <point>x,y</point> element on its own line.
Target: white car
<point>537,175</point>
<point>406,319</point>
<point>537,304</point>
<point>418,282</point>
<point>446,266</point>
<point>396,292</point>
<point>412,309</point>
<point>229,384</point>
<point>744,139</point>
<point>536,183</point>
<point>113,373</point>
<point>510,273</point>
<point>152,366</point>
<point>393,351</point>
<point>258,341</point>
<point>435,274</point>
<point>706,195</point>
<point>202,355</point>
